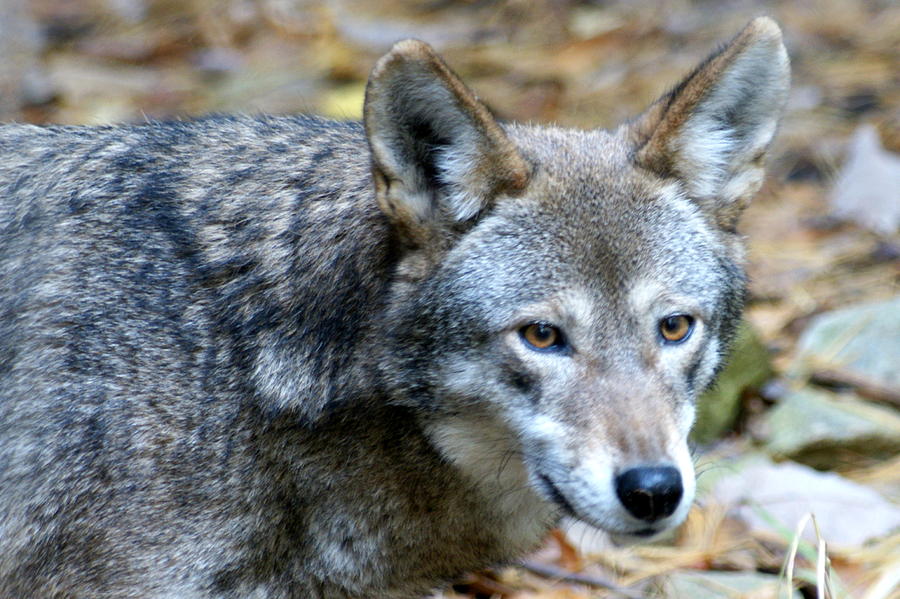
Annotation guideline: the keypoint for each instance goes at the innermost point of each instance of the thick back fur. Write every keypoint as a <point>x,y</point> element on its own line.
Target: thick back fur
<point>288,357</point>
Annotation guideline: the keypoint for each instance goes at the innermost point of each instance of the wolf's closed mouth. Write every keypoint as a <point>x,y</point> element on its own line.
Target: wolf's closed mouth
<point>556,495</point>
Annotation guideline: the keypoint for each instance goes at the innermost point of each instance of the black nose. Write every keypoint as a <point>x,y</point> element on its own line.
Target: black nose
<point>650,493</point>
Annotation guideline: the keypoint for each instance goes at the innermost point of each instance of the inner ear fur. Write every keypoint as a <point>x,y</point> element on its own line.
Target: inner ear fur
<point>438,156</point>
<point>713,129</point>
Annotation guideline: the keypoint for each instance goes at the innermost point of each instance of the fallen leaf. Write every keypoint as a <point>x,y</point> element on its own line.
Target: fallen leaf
<point>773,498</point>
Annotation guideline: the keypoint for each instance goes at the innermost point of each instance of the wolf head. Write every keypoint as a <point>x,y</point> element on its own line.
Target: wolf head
<point>563,296</point>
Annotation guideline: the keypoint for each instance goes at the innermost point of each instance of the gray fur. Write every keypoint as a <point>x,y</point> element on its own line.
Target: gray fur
<point>234,362</point>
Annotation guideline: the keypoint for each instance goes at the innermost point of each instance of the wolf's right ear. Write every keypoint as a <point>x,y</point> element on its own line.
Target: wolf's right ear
<point>438,156</point>
<point>712,131</point>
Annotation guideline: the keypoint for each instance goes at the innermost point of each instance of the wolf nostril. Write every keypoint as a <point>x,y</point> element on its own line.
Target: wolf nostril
<point>650,493</point>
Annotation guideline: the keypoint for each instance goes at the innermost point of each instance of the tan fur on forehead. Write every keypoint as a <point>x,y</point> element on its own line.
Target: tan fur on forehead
<point>580,174</point>
<point>571,153</point>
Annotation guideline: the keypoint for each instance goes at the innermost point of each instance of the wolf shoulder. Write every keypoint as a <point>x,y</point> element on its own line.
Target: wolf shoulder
<point>150,231</point>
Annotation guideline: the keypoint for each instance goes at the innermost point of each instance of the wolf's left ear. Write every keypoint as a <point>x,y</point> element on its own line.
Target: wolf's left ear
<point>439,158</point>
<point>712,131</point>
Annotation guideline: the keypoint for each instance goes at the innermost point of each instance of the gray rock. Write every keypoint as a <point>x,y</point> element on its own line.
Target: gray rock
<point>821,428</point>
<point>862,341</point>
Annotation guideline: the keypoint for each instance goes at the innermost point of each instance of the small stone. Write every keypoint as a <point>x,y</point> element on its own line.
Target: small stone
<point>862,341</point>
<point>823,429</point>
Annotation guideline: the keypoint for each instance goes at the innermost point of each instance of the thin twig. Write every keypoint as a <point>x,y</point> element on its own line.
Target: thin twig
<point>561,575</point>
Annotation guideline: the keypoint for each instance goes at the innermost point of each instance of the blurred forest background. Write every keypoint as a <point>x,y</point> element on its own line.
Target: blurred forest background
<point>805,420</point>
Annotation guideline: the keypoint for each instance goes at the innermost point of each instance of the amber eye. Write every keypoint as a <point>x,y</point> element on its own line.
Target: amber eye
<point>676,328</point>
<point>540,335</point>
